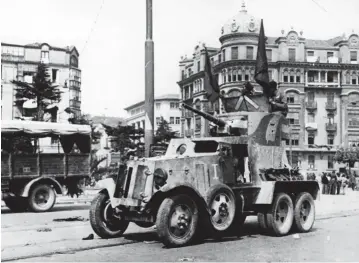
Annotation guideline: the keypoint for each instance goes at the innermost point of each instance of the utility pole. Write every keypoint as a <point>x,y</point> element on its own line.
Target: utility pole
<point>149,80</point>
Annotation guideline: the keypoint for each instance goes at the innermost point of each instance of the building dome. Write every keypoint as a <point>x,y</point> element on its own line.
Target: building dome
<point>241,23</point>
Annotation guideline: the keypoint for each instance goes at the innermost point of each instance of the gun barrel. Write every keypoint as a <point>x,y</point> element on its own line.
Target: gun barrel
<point>207,116</point>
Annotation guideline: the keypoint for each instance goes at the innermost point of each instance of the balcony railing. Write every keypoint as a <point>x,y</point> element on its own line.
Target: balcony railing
<point>331,127</point>
<point>322,84</point>
<point>331,105</point>
<point>311,105</point>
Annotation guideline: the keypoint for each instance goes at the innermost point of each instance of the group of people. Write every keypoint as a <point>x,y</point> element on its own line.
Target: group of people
<point>336,183</point>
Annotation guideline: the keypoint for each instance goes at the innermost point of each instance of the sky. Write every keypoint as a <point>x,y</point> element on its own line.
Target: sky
<point>112,49</point>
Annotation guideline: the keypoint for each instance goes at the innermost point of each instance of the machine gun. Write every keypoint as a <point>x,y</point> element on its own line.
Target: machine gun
<point>234,127</point>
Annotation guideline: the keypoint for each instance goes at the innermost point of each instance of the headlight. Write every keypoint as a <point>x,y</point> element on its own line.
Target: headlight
<point>160,177</point>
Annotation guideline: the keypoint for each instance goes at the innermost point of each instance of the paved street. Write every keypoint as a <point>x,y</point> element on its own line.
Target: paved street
<point>57,236</point>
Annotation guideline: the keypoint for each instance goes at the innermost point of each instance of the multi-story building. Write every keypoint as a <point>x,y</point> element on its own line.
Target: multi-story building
<point>320,80</point>
<point>19,62</point>
<point>166,106</point>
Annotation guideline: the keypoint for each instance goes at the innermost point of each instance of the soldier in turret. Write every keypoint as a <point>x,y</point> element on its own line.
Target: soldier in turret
<point>277,99</point>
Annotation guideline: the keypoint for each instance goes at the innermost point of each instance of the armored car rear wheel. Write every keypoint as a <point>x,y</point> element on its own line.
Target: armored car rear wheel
<point>280,216</point>
<point>103,220</point>
<point>177,220</point>
<point>304,212</point>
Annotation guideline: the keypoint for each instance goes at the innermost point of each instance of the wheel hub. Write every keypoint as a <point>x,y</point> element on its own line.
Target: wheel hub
<point>180,221</point>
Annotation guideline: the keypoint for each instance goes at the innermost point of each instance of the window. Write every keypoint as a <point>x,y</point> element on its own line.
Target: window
<point>330,54</point>
<point>291,54</point>
<point>246,77</point>
<point>330,96</point>
<point>74,61</point>
<point>297,79</point>
<point>330,161</point>
<point>44,54</point>
<point>354,80</point>
<point>224,54</point>
<point>230,77</point>
<point>353,56</point>
<point>198,66</point>
<point>234,52</point>
<point>250,52</point>
<point>310,53</point>
<point>219,58</point>
<point>54,140</point>
<point>172,120</point>
<point>285,78</point>
<point>311,161</point>
<point>178,120</point>
<point>183,74</point>
<point>294,142</point>
<point>290,99</point>
<point>234,75</point>
<point>158,121</point>
<point>158,106</point>
<point>54,75</point>
<point>143,125</point>
<point>172,105</point>
<point>311,96</point>
<point>310,139</point>
<point>291,79</point>
<point>239,75</point>
<point>330,140</point>
<point>269,55</point>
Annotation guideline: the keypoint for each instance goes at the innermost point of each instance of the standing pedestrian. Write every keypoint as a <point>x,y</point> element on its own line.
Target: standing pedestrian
<point>339,183</point>
<point>332,183</point>
<point>344,183</point>
<point>325,183</point>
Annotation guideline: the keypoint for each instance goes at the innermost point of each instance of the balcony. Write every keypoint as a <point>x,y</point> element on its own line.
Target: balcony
<point>312,59</point>
<point>316,83</point>
<point>311,126</point>
<point>333,60</point>
<point>331,127</point>
<point>311,105</point>
<point>330,106</point>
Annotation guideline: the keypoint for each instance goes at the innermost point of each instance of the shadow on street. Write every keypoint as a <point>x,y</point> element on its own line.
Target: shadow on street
<point>57,208</point>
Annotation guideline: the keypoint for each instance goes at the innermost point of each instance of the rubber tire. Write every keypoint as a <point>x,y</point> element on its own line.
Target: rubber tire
<point>298,201</point>
<point>98,225</point>
<point>16,204</point>
<point>262,221</point>
<point>273,228</point>
<point>213,192</point>
<point>31,199</point>
<point>144,224</point>
<point>163,216</point>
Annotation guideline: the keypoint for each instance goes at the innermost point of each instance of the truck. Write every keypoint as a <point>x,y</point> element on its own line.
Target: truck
<point>209,185</point>
<point>31,180</point>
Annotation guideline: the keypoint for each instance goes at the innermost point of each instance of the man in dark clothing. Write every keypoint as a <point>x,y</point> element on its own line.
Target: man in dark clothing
<point>333,183</point>
<point>325,182</point>
<point>277,100</point>
<point>339,183</point>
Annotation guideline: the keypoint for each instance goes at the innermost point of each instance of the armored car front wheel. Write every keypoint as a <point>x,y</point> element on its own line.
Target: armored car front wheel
<point>177,220</point>
<point>104,222</point>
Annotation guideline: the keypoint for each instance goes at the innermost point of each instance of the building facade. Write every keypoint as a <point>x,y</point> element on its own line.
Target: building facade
<point>320,80</point>
<point>166,106</point>
<point>19,62</point>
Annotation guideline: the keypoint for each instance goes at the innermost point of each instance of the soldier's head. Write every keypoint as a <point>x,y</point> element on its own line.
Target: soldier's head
<point>273,85</point>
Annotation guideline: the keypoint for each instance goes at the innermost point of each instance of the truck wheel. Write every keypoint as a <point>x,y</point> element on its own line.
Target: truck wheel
<point>177,220</point>
<point>103,220</point>
<point>262,221</point>
<point>222,204</point>
<point>42,198</point>
<point>280,217</point>
<point>16,204</point>
<point>304,212</point>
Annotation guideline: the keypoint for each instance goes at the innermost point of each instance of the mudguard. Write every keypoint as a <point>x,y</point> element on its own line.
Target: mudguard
<point>25,191</point>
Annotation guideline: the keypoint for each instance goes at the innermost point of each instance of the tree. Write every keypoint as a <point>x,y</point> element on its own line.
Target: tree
<point>164,132</point>
<point>347,155</point>
<point>41,90</point>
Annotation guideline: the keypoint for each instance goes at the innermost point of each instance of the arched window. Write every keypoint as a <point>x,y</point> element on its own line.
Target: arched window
<point>74,61</point>
<point>230,75</point>
<point>234,75</point>
<point>354,98</point>
<point>239,75</point>
<point>198,104</point>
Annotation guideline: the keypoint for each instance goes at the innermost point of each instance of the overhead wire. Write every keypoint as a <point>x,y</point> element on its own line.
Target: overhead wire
<point>93,25</point>
<point>321,7</point>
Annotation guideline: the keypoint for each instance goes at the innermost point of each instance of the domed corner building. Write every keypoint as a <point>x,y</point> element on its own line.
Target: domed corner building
<point>319,79</point>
